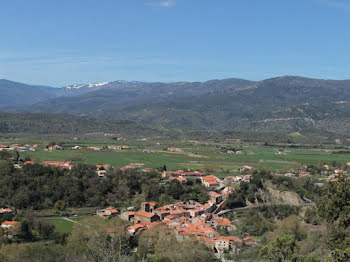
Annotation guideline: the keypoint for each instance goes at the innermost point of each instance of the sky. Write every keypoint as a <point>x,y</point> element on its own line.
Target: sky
<point>63,42</point>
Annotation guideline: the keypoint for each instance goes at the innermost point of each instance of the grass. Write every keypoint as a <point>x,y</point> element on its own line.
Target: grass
<point>62,226</point>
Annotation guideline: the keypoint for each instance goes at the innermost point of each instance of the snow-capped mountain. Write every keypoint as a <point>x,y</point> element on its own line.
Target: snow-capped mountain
<point>90,85</point>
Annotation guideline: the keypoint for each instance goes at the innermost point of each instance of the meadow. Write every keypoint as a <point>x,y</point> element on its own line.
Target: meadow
<point>207,156</point>
<point>62,225</point>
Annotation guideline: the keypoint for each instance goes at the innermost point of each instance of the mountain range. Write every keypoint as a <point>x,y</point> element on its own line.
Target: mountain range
<point>282,104</point>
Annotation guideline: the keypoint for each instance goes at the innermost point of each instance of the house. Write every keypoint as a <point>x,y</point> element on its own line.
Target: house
<point>247,178</point>
<point>101,170</point>
<point>245,168</point>
<point>174,149</point>
<point>146,216</point>
<point>217,198</point>
<point>28,163</point>
<point>289,174</point>
<point>148,206</point>
<point>10,224</point>
<point>109,211</point>
<point>76,147</point>
<point>222,244</point>
<point>227,191</point>
<point>147,170</point>
<point>94,148</point>
<point>67,165</point>
<point>221,223</point>
<point>249,241</point>
<point>101,173</point>
<point>6,212</point>
<point>182,173</point>
<point>114,147</point>
<point>180,179</point>
<point>132,230</point>
<point>304,173</point>
<point>129,215</point>
<point>54,147</point>
<point>103,167</point>
<point>4,148</point>
<point>131,166</point>
<point>210,181</point>
<point>230,180</point>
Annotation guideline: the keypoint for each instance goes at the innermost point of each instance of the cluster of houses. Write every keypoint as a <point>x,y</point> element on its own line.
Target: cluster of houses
<point>328,173</point>
<point>17,147</point>
<point>182,173</point>
<point>93,148</point>
<point>231,180</point>
<point>60,164</point>
<point>334,176</point>
<point>109,147</point>
<point>101,170</point>
<point>191,220</point>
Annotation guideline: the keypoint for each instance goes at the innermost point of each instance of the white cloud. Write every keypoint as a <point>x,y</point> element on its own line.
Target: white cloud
<point>167,3</point>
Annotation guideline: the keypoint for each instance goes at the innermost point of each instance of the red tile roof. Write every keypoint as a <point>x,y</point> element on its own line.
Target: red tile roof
<point>10,223</point>
<point>144,214</point>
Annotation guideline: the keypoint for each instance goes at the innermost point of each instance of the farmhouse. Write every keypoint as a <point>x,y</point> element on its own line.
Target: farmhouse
<point>10,224</point>
<point>174,149</point>
<point>67,165</point>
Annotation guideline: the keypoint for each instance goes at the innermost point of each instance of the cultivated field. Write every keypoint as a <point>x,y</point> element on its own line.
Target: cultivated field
<point>210,157</point>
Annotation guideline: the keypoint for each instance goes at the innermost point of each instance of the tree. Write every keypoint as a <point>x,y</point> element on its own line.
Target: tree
<point>25,231</point>
<point>280,250</point>
<point>175,189</point>
<point>60,205</point>
<point>46,230</point>
<point>102,240</point>
<point>16,156</point>
<point>334,208</point>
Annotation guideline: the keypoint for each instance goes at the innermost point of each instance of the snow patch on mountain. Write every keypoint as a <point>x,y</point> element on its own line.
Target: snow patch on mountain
<point>91,85</point>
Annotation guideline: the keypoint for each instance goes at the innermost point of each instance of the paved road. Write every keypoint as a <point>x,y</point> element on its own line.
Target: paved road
<point>259,205</point>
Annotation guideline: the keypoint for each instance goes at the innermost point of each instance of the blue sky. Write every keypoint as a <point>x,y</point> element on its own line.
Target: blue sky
<point>78,41</point>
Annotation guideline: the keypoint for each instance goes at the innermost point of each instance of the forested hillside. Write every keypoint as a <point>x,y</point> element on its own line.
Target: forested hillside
<point>62,124</point>
<point>282,104</point>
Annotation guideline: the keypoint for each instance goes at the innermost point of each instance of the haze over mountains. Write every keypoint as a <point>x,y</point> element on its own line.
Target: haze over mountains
<point>282,104</point>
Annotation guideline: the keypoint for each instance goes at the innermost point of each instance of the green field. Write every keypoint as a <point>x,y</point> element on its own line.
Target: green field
<point>62,225</point>
<point>200,156</point>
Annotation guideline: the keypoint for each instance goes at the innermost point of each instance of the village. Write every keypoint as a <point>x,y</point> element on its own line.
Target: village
<point>191,219</point>
<point>188,220</point>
